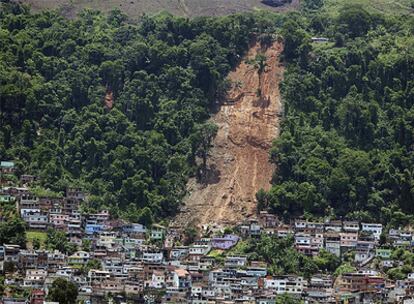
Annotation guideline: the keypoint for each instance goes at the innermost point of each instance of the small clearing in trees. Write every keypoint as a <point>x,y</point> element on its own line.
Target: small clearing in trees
<point>239,164</point>
<point>109,99</point>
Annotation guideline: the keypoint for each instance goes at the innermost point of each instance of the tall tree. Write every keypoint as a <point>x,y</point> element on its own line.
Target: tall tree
<point>204,136</point>
<point>63,292</point>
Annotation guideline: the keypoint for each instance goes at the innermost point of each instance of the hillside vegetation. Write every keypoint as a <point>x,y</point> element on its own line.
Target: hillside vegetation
<point>135,8</point>
<point>346,147</point>
<point>135,148</point>
<point>120,108</point>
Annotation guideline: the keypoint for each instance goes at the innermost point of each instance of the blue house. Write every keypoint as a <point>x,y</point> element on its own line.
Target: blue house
<point>93,228</point>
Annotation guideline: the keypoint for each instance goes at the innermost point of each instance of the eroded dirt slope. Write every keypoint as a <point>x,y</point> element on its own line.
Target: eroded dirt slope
<point>239,162</point>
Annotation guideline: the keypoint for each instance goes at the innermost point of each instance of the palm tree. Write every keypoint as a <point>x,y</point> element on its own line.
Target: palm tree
<point>260,64</point>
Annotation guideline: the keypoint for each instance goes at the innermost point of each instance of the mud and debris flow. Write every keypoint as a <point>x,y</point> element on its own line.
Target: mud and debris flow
<point>239,161</point>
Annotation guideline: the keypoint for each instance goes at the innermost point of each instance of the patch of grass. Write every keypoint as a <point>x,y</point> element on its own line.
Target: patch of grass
<point>41,192</point>
<point>32,235</point>
<point>241,248</point>
<point>322,46</point>
<point>215,253</point>
<point>393,7</point>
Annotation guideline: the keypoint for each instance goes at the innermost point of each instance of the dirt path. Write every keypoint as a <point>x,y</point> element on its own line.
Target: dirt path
<point>239,161</point>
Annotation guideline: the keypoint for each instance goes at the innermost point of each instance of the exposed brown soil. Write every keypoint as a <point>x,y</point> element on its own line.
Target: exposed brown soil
<point>239,162</point>
<point>109,100</point>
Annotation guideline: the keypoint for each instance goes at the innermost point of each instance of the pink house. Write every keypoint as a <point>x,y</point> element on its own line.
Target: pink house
<point>58,220</point>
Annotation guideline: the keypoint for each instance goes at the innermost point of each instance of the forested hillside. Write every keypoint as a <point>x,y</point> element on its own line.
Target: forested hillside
<point>120,108</point>
<point>115,107</point>
<point>346,148</point>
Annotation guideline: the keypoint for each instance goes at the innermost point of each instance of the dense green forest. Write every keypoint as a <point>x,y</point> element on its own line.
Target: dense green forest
<point>347,140</point>
<point>160,76</point>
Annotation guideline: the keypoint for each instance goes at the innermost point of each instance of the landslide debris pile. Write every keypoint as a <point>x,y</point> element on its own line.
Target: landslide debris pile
<point>239,163</point>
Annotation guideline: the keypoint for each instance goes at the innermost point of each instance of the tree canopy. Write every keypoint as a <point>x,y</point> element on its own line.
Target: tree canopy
<point>346,145</point>
<point>63,291</point>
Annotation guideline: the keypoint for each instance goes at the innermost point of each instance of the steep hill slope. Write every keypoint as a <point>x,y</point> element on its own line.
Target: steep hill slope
<point>135,8</point>
<point>112,106</point>
<point>239,163</point>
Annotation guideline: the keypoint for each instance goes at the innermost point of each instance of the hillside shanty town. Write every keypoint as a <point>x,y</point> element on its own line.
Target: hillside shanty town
<point>115,261</point>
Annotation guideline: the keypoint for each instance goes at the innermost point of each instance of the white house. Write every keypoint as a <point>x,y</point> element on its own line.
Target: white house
<point>286,284</point>
<point>199,249</point>
<point>235,261</point>
<point>157,280</point>
<point>152,257</point>
<point>373,228</point>
<point>302,239</point>
<point>79,257</point>
<point>351,226</point>
<point>35,278</point>
<point>65,272</point>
